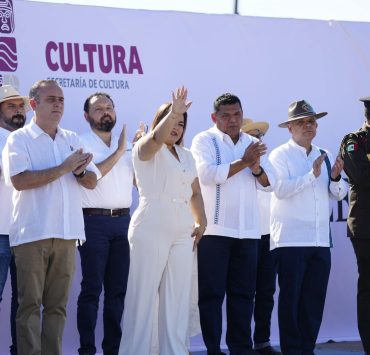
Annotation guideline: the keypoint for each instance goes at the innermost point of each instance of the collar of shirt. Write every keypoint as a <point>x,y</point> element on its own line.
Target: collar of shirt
<point>226,138</point>
<point>293,144</point>
<point>96,141</point>
<point>113,141</point>
<point>36,131</point>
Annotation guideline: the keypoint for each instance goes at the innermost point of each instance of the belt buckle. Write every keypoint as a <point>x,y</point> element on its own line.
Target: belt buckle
<point>112,214</point>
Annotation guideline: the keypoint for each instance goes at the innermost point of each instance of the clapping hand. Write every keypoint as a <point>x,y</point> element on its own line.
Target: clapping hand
<point>253,153</point>
<point>77,161</point>
<point>316,166</point>
<point>337,168</point>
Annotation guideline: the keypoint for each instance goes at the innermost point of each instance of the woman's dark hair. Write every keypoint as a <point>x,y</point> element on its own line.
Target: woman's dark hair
<point>162,112</point>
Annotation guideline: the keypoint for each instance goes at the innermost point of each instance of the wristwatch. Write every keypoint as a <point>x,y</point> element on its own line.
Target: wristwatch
<point>259,174</point>
<point>80,175</point>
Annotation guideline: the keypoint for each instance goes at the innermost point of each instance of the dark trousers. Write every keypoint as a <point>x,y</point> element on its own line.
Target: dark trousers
<point>7,263</point>
<point>227,265</point>
<point>13,306</point>
<point>362,251</point>
<point>265,289</point>
<point>303,278</point>
<point>105,259</point>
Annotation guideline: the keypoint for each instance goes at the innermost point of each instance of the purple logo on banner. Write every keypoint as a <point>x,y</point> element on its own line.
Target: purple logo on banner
<point>6,16</point>
<point>8,54</point>
<point>106,58</point>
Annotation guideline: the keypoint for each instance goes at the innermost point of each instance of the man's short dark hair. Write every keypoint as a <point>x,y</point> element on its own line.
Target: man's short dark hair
<point>96,94</point>
<point>226,99</point>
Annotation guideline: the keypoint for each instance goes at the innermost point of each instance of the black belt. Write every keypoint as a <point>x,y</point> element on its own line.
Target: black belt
<point>106,212</point>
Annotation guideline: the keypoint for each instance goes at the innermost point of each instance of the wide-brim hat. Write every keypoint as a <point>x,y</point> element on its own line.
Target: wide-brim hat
<point>300,109</point>
<point>8,92</point>
<point>249,125</point>
<point>366,101</point>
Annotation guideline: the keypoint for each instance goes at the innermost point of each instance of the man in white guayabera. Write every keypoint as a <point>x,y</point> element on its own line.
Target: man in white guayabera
<point>46,165</point>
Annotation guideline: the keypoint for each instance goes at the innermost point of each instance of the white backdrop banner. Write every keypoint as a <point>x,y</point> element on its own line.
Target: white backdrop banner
<point>139,56</point>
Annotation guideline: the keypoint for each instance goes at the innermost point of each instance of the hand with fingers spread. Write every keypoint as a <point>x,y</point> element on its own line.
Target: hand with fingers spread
<point>179,103</point>
<point>316,166</point>
<point>253,153</point>
<point>337,168</point>
<point>140,132</point>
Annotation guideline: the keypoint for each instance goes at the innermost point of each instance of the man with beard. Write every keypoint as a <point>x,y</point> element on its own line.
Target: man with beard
<point>105,255</point>
<point>13,108</point>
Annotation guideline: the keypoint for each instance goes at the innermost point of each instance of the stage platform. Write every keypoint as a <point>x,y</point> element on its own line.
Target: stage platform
<point>330,348</point>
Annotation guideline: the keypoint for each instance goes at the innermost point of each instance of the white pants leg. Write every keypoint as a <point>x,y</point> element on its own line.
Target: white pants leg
<point>161,261</point>
<point>155,340</point>
<point>148,258</point>
<point>174,299</point>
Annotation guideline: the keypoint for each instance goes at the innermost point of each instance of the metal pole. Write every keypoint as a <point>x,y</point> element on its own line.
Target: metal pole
<point>236,7</point>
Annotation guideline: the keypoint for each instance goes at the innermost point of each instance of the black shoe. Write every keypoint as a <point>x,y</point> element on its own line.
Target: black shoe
<point>268,350</point>
<point>252,352</point>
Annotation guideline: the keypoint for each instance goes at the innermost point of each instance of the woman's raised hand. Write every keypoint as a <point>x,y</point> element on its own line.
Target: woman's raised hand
<point>179,103</point>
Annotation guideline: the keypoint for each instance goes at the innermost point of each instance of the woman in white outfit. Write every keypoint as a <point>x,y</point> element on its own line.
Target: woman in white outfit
<point>170,212</point>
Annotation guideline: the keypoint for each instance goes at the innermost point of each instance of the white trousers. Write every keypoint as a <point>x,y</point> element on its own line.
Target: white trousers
<point>194,321</point>
<point>160,271</point>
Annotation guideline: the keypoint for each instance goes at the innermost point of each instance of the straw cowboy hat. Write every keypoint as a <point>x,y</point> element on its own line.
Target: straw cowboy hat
<point>250,125</point>
<point>300,109</point>
<point>8,92</point>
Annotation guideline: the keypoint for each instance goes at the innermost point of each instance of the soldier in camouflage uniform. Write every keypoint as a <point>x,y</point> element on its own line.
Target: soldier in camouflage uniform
<point>355,151</point>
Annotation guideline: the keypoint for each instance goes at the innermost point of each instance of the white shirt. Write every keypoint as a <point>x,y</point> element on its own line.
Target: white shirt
<point>230,203</point>
<point>53,210</point>
<point>300,208</point>
<point>114,190</point>
<point>5,191</point>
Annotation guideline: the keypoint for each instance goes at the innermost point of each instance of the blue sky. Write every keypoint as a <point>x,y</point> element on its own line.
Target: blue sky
<point>348,10</point>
